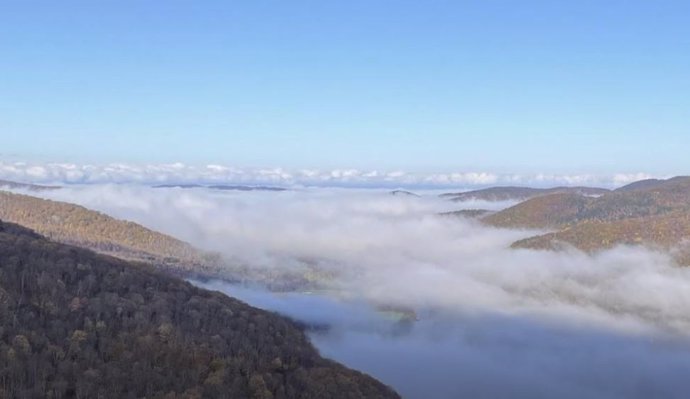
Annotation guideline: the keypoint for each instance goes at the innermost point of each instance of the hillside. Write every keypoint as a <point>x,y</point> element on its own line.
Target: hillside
<point>548,211</point>
<point>76,225</point>
<point>561,210</point>
<point>666,232</point>
<point>511,193</point>
<point>74,324</point>
<point>649,184</point>
<point>651,213</point>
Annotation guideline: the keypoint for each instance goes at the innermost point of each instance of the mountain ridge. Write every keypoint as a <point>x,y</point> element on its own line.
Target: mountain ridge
<point>508,193</point>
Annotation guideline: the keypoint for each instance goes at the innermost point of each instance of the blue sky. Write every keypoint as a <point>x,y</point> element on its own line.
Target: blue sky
<point>504,86</point>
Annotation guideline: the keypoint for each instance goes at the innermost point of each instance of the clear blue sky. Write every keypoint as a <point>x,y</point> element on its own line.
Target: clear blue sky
<point>416,85</point>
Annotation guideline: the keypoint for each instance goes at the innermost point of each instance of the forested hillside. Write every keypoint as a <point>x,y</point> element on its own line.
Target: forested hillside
<point>82,227</point>
<point>654,213</point>
<point>75,324</point>
<point>76,225</point>
<point>647,198</point>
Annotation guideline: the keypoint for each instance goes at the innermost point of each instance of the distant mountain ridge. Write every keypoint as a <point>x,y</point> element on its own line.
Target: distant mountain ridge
<point>508,193</point>
<point>26,186</point>
<point>227,187</point>
<point>403,193</point>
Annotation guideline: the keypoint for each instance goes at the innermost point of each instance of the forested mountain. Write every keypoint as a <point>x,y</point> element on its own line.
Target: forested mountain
<point>510,193</point>
<point>668,232</point>
<point>75,324</point>
<point>652,212</point>
<point>82,227</point>
<point>76,225</point>
<point>561,210</point>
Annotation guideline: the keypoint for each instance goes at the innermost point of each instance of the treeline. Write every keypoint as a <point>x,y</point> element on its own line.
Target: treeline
<point>75,324</point>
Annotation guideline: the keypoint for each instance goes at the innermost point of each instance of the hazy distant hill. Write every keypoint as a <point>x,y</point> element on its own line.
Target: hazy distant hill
<point>519,193</point>
<point>26,186</point>
<point>467,213</point>
<point>223,187</point>
<point>403,193</point>
<point>655,213</point>
<point>74,324</point>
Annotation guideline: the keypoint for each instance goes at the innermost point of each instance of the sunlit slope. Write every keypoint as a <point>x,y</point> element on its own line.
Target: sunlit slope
<point>76,225</point>
<point>652,213</point>
<point>560,210</point>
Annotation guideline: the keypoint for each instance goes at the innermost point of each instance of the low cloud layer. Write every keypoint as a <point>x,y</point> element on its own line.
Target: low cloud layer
<point>493,322</point>
<point>224,174</point>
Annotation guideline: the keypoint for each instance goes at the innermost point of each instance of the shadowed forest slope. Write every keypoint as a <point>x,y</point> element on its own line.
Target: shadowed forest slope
<point>75,324</point>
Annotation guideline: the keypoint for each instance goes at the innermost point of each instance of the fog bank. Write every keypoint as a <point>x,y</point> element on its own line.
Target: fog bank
<point>492,322</point>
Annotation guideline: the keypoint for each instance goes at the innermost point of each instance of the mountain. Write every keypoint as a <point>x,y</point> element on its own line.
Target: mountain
<point>561,210</point>
<point>79,226</point>
<point>82,227</point>
<point>650,184</point>
<point>651,213</point>
<point>510,193</point>
<point>667,232</point>
<point>75,324</point>
<point>26,186</point>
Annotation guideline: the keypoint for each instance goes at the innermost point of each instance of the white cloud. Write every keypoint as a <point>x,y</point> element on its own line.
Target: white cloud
<point>226,174</point>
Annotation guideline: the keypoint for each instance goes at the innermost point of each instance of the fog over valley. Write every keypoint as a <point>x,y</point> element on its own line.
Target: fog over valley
<point>434,303</point>
<point>344,200</point>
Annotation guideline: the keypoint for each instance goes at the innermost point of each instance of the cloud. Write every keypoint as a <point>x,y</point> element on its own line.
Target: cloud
<point>493,322</point>
<point>224,174</point>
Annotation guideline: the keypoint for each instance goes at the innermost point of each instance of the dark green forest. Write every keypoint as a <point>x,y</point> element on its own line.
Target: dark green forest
<point>76,324</point>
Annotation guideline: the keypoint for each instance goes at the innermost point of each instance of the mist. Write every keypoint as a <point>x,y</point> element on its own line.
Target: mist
<point>490,321</point>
